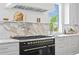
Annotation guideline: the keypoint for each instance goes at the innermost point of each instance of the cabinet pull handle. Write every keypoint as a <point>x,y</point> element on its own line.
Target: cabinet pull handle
<point>51,45</point>
<point>34,48</point>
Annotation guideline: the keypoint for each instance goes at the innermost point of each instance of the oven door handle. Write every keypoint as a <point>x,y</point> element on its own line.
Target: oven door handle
<point>51,45</point>
<point>35,48</point>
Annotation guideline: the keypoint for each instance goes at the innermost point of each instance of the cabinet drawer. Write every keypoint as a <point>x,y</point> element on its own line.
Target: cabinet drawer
<point>5,47</point>
<point>10,48</point>
<point>63,51</point>
<point>63,43</point>
<point>15,52</point>
<point>60,40</point>
<point>8,44</point>
<point>60,53</point>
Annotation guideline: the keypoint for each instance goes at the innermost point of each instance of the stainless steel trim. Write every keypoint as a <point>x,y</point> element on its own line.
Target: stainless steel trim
<point>29,8</point>
<point>51,45</point>
<point>47,38</point>
<point>39,47</point>
<point>35,48</point>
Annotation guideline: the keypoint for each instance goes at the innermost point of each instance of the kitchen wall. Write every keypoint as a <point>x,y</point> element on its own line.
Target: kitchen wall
<point>71,15</point>
<point>29,16</point>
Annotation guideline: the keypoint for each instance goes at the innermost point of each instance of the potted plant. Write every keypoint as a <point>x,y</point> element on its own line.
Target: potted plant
<point>52,24</point>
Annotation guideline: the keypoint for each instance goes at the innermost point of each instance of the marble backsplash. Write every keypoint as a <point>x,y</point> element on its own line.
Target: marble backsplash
<point>23,29</point>
<point>67,27</point>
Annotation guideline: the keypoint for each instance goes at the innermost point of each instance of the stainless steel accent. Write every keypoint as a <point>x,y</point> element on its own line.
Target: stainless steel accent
<point>51,45</point>
<point>29,8</point>
<point>35,48</point>
<point>32,37</point>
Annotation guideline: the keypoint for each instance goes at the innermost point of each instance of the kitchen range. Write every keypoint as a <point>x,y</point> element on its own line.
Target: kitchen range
<point>36,45</point>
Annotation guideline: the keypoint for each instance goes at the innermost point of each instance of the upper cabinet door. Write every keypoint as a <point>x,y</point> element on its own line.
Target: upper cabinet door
<point>73,14</point>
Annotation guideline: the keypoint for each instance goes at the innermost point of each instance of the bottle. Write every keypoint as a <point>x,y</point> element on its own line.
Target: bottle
<point>38,20</point>
<point>5,19</point>
<point>64,31</point>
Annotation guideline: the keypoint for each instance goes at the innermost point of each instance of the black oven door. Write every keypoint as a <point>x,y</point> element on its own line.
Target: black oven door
<point>34,51</point>
<point>45,50</point>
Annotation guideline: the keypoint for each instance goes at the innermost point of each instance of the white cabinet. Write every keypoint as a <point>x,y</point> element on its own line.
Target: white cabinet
<point>72,44</point>
<point>73,13</point>
<point>9,48</point>
<point>61,46</point>
<point>67,45</point>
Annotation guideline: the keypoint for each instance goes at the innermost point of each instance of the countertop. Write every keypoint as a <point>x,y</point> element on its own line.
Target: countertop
<point>61,35</point>
<point>7,40</point>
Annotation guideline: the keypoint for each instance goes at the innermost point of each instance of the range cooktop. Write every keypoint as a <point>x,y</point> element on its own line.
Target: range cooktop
<point>29,37</point>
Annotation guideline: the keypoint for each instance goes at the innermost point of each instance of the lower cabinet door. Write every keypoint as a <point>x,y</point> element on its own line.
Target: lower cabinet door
<point>10,53</point>
<point>9,49</point>
<point>68,46</point>
<point>62,51</point>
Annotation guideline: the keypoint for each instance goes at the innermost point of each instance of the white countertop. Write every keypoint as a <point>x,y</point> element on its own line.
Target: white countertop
<point>7,40</point>
<point>61,35</point>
